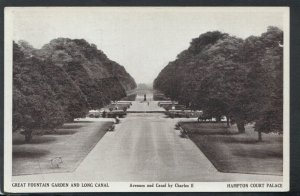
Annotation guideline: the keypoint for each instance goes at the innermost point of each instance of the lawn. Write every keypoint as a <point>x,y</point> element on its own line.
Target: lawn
<point>232,152</point>
<point>72,142</point>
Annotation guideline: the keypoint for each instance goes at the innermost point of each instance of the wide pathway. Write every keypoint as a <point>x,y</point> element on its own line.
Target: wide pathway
<point>145,106</point>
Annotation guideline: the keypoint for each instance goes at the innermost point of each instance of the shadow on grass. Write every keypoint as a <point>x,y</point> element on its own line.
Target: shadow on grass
<point>232,141</point>
<point>214,133</point>
<point>205,123</point>
<point>71,126</point>
<point>258,153</point>
<point>207,129</point>
<point>240,140</point>
<point>30,153</point>
<point>62,132</point>
<point>35,140</point>
<point>82,122</point>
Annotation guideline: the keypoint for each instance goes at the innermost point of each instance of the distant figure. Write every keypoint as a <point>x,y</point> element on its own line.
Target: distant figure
<point>148,103</point>
<point>117,120</point>
<point>145,97</point>
<point>104,114</point>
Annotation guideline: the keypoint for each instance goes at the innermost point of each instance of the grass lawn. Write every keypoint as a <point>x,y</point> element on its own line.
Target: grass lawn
<point>72,142</point>
<point>239,153</point>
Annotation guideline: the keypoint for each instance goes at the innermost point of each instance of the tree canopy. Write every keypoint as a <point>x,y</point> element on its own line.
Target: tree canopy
<point>224,75</point>
<point>62,81</point>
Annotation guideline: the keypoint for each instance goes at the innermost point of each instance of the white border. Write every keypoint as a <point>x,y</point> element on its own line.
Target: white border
<point>124,186</point>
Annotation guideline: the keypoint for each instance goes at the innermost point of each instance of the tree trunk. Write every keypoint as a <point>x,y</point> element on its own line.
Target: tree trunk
<point>241,126</point>
<point>259,136</point>
<point>228,122</point>
<point>28,136</point>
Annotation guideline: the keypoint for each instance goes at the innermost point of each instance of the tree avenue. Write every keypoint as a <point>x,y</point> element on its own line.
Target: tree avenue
<point>224,75</point>
<point>62,81</point>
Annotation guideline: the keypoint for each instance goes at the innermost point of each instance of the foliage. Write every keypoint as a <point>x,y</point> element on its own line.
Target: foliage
<point>265,80</point>
<point>35,104</point>
<point>99,78</point>
<point>224,75</point>
<point>62,81</point>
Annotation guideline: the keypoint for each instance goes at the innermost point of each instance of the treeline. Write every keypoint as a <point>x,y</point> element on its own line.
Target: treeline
<point>144,86</point>
<point>62,81</point>
<point>225,75</point>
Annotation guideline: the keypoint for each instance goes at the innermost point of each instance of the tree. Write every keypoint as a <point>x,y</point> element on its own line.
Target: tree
<point>34,103</point>
<point>61,82</point>
<point>70,96</point>
<point>264,84</point>
<point>225,75</point>
<point>207,72</point>
<point>99,78</point>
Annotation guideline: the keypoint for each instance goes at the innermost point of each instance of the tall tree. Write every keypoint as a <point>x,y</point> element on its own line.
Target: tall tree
<point>35,104</point>
<point>225,75</point>
<point>264,56</point>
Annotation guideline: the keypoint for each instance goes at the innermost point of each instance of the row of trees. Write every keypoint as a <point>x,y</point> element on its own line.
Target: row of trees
<point>62,81</point>
<point>225,75</point>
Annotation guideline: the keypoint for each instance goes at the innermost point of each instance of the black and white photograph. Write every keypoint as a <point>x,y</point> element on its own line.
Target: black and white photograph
<point>146,99</point>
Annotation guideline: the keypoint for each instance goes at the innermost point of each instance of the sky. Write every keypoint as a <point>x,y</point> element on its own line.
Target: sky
<point>143,40</point>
